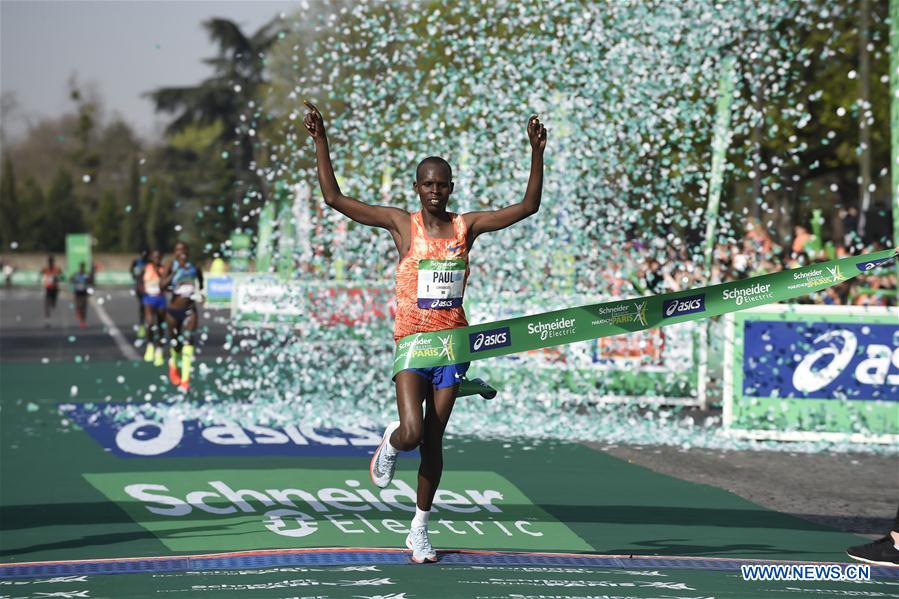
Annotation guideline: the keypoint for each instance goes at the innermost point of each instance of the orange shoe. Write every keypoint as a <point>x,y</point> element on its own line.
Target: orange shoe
<point>174,375</point>
<point>184,386</point>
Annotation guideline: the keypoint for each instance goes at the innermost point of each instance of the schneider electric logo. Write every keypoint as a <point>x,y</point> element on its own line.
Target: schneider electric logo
<point>817,278</point>
<point>491,339</point>
<point>757,293</point>
<point>555,328</point>
<point>835,273</point>
<point>319,508</point>
<point>683,305</point>
<point>811,274</point>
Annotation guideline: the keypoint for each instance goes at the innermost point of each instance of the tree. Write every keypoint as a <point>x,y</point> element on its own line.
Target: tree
<point>809,142</point>
<point>86,157</point>
<point>228,98</point>
<point>61,214</point>
<point>192,167</point>
<point>134,232</point>
<point>100,155</point>
<point>107,222</point>
<point>31,216</point>
<point>9,206</point>
<point>159,214</point>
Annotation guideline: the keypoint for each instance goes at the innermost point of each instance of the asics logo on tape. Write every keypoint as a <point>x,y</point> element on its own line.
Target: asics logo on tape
<point>683,305</point>
<point>492,339</point>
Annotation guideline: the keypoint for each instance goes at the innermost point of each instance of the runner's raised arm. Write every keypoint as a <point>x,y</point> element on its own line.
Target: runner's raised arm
<point>366,214</point>
<point>494,220</point>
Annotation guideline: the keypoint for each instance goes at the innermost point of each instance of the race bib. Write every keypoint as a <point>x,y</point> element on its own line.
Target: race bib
<point>440,283</point>
<point>152,288</point>
<point>184,290</point>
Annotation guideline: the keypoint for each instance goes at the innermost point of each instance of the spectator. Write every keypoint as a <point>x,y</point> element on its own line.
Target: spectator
<point>849,218</point>
<point>8,271</point>
<point>801,242</point>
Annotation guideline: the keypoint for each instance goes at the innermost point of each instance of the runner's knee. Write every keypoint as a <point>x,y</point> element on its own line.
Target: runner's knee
<point>407,437</point>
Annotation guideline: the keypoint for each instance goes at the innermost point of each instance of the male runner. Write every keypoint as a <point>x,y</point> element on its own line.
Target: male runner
<point>137,273</point>
<point>50,276</point>
<point>81,282</point>
<point>153,303</point>
<point>185,281</point>
<point>433,245</point>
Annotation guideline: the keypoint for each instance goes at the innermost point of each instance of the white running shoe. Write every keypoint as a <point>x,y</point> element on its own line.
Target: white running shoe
<point>417,540</point>
<point>383,464</point>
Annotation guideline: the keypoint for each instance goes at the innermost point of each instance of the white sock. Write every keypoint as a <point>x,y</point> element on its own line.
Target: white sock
<point>421,518</point>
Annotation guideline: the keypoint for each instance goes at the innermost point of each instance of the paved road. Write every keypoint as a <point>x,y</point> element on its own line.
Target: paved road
<point>25,336</point>
<point>852,492</point>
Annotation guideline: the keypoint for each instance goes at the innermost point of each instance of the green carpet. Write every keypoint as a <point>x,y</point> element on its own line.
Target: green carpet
<point>63,496</point>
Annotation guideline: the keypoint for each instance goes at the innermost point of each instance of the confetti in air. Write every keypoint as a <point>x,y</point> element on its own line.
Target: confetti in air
<point>627,91</point>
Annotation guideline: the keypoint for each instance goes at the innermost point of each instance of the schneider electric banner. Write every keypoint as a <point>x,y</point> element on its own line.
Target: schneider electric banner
<point>582,323</point>
<point>813,372</point>
<point>316,507</point>
<point>649,366</point>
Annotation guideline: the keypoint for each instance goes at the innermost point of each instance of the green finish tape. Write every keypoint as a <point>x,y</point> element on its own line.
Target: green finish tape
<point>537,331</point>
<point>475,387</point>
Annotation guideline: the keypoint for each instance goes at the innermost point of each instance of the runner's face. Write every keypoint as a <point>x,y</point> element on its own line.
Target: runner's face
<point>434,188</point>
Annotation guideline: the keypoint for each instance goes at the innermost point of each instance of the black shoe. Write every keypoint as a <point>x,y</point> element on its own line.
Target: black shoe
<point>882,552</point>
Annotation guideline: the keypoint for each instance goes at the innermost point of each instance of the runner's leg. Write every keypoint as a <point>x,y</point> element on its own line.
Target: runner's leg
<point>141,315</point>
<point>174,349</point>
<point>411,390</point>
<point>187,351</point>
<point>81,307</point>
<point>173,334</point>
<point>439,407</point>
<point>153,332</point>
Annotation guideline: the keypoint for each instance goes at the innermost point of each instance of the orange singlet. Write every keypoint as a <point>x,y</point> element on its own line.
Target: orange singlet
<point>430,281</point>
<point>152,280</point>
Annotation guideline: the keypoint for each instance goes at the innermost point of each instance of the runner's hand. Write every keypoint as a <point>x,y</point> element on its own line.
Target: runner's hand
<point>314,122</point>
<point>536,133</point>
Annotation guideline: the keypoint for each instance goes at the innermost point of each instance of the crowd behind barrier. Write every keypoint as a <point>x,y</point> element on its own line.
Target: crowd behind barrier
<point>755,254</point>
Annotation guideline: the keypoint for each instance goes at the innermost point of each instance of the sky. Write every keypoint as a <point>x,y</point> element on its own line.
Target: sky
<point>122,48</point>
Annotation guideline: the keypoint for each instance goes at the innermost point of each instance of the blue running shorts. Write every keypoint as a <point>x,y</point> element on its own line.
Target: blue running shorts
<point>443,376</point>
<point>154,301</point>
